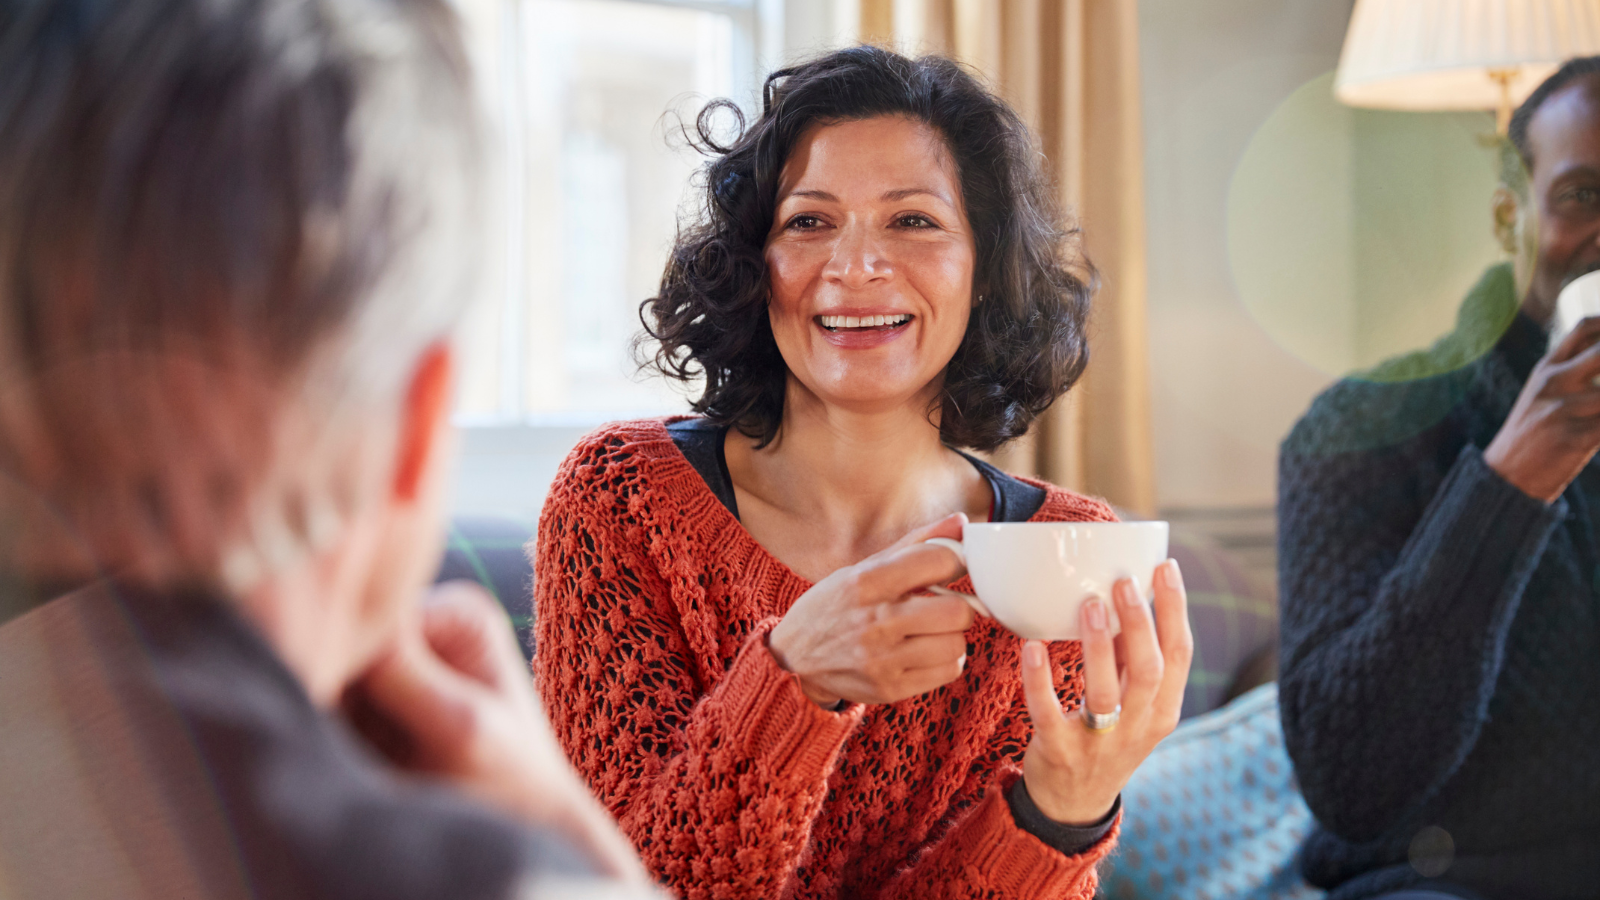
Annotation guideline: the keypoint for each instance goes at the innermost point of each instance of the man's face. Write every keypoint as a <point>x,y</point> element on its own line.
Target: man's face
<point>1559,236</point>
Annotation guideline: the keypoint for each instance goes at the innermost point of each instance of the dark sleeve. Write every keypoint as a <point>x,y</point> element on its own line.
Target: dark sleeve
<point>1067,839</point>
<point>1396,604</point>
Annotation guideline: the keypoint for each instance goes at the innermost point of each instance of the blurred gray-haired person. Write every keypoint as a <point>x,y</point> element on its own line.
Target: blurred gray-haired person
<point>235,238</point>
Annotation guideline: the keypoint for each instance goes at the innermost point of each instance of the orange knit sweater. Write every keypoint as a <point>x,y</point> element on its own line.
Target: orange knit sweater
<point>654,606</point>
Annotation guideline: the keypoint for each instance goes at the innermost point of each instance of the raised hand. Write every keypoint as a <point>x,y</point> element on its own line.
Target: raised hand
<point>1074,773</point>
<point>453,698</point>
<point>865,634</point>
<point>1554,428</point>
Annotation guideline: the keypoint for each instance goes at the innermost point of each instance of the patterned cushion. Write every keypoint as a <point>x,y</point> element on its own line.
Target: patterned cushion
<point>1214,813</point>
<point>1235,620</point>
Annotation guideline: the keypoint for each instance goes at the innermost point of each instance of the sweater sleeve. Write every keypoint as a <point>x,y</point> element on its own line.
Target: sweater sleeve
<point>1397,602</point>
<point>986,853</point>
<point>1068,839</point>
<point>717,786</point>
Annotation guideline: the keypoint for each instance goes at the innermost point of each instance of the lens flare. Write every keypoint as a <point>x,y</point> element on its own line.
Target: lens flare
<point>1354,235</point>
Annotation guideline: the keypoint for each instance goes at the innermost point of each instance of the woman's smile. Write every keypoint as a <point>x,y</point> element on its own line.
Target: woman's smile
<point>862,329</point>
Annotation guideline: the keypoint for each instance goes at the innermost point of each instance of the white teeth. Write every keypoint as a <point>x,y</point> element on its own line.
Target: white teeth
<point>863,321</point>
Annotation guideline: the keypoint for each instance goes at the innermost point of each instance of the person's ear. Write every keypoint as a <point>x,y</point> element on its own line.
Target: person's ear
<point>423,417</point>
<point>1507,208</point>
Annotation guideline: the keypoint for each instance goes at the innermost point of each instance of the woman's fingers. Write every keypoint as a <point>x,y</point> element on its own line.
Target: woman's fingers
<point>891,576</point>
<point>1142,662</point>
<point>916,682</point>
<point>1101,692</point>
<point>925,650</point>
<point>933,614</point>
<point>1177,641</point>
<point>1039,691</point>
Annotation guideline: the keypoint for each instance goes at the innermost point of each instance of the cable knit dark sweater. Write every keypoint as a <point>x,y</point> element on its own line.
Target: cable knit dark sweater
<point>1440,681</point>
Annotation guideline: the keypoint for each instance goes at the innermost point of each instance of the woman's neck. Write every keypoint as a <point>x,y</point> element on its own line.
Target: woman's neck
<point>838,485</point>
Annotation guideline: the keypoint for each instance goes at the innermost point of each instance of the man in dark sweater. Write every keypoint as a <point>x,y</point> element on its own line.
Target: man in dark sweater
<point>235,238</point>
<point>1440,569</point>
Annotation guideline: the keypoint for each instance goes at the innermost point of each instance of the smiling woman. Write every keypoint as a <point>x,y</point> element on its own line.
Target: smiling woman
<point>735,641</point>
<point>970,172</point>
<point>847,257</point>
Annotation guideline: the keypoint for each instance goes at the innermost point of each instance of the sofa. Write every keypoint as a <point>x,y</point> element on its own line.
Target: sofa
<point>1213,813</point>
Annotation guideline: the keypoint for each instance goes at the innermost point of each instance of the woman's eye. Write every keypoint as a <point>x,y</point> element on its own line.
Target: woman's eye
<point>804,223</point>
<point>915,221</point>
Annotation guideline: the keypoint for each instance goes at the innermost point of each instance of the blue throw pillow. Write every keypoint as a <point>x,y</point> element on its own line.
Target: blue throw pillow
<point>1214,813</point>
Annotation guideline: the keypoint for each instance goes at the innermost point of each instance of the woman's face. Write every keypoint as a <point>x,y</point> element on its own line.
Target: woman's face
<point>870,259</point>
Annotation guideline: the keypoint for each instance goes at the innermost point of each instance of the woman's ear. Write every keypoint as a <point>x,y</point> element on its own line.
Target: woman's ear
<point>423,421</point>
<point>1507,208</point>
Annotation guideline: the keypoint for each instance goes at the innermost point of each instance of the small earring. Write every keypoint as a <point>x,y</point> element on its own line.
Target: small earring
<point>980,298</point>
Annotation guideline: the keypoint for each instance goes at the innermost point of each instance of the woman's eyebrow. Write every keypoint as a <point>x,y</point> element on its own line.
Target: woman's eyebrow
<point>903,193</point>
<point>891,196</point>
<point>813,195</point>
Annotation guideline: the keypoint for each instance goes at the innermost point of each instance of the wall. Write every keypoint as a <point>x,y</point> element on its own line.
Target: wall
<point>1291,239</point>
<point>1223,392</point>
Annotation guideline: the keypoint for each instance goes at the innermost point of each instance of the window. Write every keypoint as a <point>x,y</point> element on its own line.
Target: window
<point>585,99</point>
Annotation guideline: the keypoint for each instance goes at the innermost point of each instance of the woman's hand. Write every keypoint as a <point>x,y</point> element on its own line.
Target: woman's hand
<point>863,634</point>
<point>452,697</point>
<point>1074,774</point>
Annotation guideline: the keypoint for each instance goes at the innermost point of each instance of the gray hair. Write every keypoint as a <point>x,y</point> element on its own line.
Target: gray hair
<point>228,231</point>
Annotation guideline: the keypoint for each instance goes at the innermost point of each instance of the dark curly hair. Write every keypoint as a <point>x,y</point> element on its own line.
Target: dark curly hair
<point>1025,344</point>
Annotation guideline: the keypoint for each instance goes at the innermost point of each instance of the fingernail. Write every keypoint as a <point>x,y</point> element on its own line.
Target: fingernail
<point>1033,654</point>
<point>1095,613</point>
<point>1127,594</point>
<point>1167,574</point>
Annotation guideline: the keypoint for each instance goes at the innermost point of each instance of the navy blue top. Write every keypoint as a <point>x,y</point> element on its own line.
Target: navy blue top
<point>702,443</point>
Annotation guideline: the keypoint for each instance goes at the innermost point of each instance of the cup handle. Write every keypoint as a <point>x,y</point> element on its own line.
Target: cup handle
<point>955,547</point>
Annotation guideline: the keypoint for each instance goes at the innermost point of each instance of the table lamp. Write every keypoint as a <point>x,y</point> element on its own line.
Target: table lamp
<point>1460,54</point>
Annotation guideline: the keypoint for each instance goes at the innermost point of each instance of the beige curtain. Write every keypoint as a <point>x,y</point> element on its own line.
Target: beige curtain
<point>1071,68</point>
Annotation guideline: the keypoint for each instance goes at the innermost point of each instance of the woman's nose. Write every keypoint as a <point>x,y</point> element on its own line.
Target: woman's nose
<point>858,258</point>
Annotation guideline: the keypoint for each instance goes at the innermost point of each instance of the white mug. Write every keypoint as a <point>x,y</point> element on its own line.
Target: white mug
<point>1577,301</point>
<point>1034,576</point>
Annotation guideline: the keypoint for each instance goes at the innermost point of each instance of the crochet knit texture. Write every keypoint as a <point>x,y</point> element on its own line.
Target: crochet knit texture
<point>654,608</point>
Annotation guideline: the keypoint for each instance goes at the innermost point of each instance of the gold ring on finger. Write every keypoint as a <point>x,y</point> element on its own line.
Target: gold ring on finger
<point>1101,722</point>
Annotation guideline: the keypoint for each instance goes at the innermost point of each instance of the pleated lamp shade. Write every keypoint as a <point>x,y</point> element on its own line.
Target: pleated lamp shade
<point>1459,54</point>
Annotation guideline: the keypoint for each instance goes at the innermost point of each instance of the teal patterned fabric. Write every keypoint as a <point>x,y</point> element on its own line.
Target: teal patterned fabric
<point>1214,813</point>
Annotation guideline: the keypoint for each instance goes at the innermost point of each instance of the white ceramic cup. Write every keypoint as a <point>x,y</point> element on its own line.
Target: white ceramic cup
<point>1033,576</point>
<point>1578,300</point>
